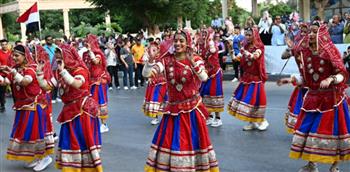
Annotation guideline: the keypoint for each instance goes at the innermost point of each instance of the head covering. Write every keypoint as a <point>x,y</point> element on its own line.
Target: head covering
<point>258,44</point>
<point>329,51</point>
<point>95,48</point>
<point>326,50</point>
<point>24,51</point>
<point>187,36</point>
<point>41,55</point>
<point>71,57</point>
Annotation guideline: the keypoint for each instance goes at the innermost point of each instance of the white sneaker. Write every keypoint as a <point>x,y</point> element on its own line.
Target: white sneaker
<point>155,121</point>
<point>126,88</point>
<point>31,164</point>
<point>263,125</point>
<point>234,80</point>
<point>104,128</point>
<point>216,123</point>
<point>53,101</point>
<point>59,100</point>
<point>118,88</point>
<point>43,164</point>
<point>210,121</point>
<point>133,88</point>
<point>249,126</point>
<point>110,88</point>
<point>309,167</point>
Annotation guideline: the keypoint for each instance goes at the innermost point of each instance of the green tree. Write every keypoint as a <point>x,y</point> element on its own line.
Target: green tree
<point>154,12</point>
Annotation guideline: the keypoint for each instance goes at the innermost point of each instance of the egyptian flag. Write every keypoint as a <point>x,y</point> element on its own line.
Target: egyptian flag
<point>31,19</point>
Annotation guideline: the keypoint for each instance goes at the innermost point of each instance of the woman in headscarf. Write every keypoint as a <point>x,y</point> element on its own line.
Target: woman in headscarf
<point>322,129</point>
<point>297,97</point>
<point>80,139</point>
<point>156,92</point>
<point>248,102</point>
<point>181,142</point>
<point>96,62</point>
<point>211,89</point>
<point>27,141</point>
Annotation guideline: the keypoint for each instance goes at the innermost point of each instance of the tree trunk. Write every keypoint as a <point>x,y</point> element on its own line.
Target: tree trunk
<point>321,5</point>
<point>179,22</point>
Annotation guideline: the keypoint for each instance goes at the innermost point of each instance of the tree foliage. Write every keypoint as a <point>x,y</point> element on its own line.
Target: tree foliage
<point>152,12</point>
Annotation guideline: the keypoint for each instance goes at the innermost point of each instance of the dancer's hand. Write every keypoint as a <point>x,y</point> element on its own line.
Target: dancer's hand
<point>60,65</point>
<point>283,81</point>
<point>5,68</point>
<point>152,53</point>
<point>326,82</point>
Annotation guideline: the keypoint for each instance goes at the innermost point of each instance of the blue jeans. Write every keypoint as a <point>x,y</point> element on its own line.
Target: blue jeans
<point>128,71</point>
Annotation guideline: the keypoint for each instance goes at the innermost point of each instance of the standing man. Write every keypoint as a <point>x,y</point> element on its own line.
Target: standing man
<point>336,29</point>
<point>4,55</point>
<point>237,39</point>
<point>347,29</point>
<point>50,49</point>
<point>138,51</point>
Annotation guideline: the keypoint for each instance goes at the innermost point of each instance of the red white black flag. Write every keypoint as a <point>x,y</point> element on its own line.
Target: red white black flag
<point>30,18</point>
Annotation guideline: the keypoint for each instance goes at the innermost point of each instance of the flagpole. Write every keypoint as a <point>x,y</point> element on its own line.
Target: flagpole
<point>39,21</point>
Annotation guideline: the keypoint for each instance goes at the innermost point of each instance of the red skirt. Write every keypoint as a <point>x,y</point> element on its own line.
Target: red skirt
<point>80,145</point>
<point>212,94</point>
<point>155,100</point>
<point>294,108</point>
<point>248,102</point>
<point>322,137</point>
<point>27,140</point>
<point>181,143</point>
<point>99,94</point>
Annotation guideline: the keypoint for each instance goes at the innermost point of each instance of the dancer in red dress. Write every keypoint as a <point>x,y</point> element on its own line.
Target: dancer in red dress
<point>28,141</point>
<point>156,92</point>
<point>297,97</point>
<point>211,90</point>
<point>80,139</point>
<point>96,62</point>
<point>322,131</point>
<point>181,142</point>
<point>248,102</point>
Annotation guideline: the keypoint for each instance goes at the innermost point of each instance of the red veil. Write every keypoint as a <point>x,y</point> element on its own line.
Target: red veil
<point>41,55</point>
<point>95,48</point>
<point>329,51</point>
<point>258,44</point>
<point>71,58</point>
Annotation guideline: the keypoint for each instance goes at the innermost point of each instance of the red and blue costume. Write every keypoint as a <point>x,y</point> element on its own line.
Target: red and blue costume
<point>27,139</point>
<point>248,102</point>
<point>80,138</point>
<point>41,56</point>
<point>181,141</point>
<point>322,131</point>
<point>99,76</point>
<point>211,90</point>
<point>156,93</point>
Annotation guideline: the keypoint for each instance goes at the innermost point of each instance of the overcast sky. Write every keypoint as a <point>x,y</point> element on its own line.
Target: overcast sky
<point>247,4</point>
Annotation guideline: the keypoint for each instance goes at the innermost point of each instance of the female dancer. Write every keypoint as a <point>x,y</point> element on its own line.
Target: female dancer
<point>248,102</point>
<point>80,139</point>
<point>322,128</point>
<point>181,142</point>
<point>27,141</point>
<point>211,90</point>
<point>156,95</point>
<point>96,62</point>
